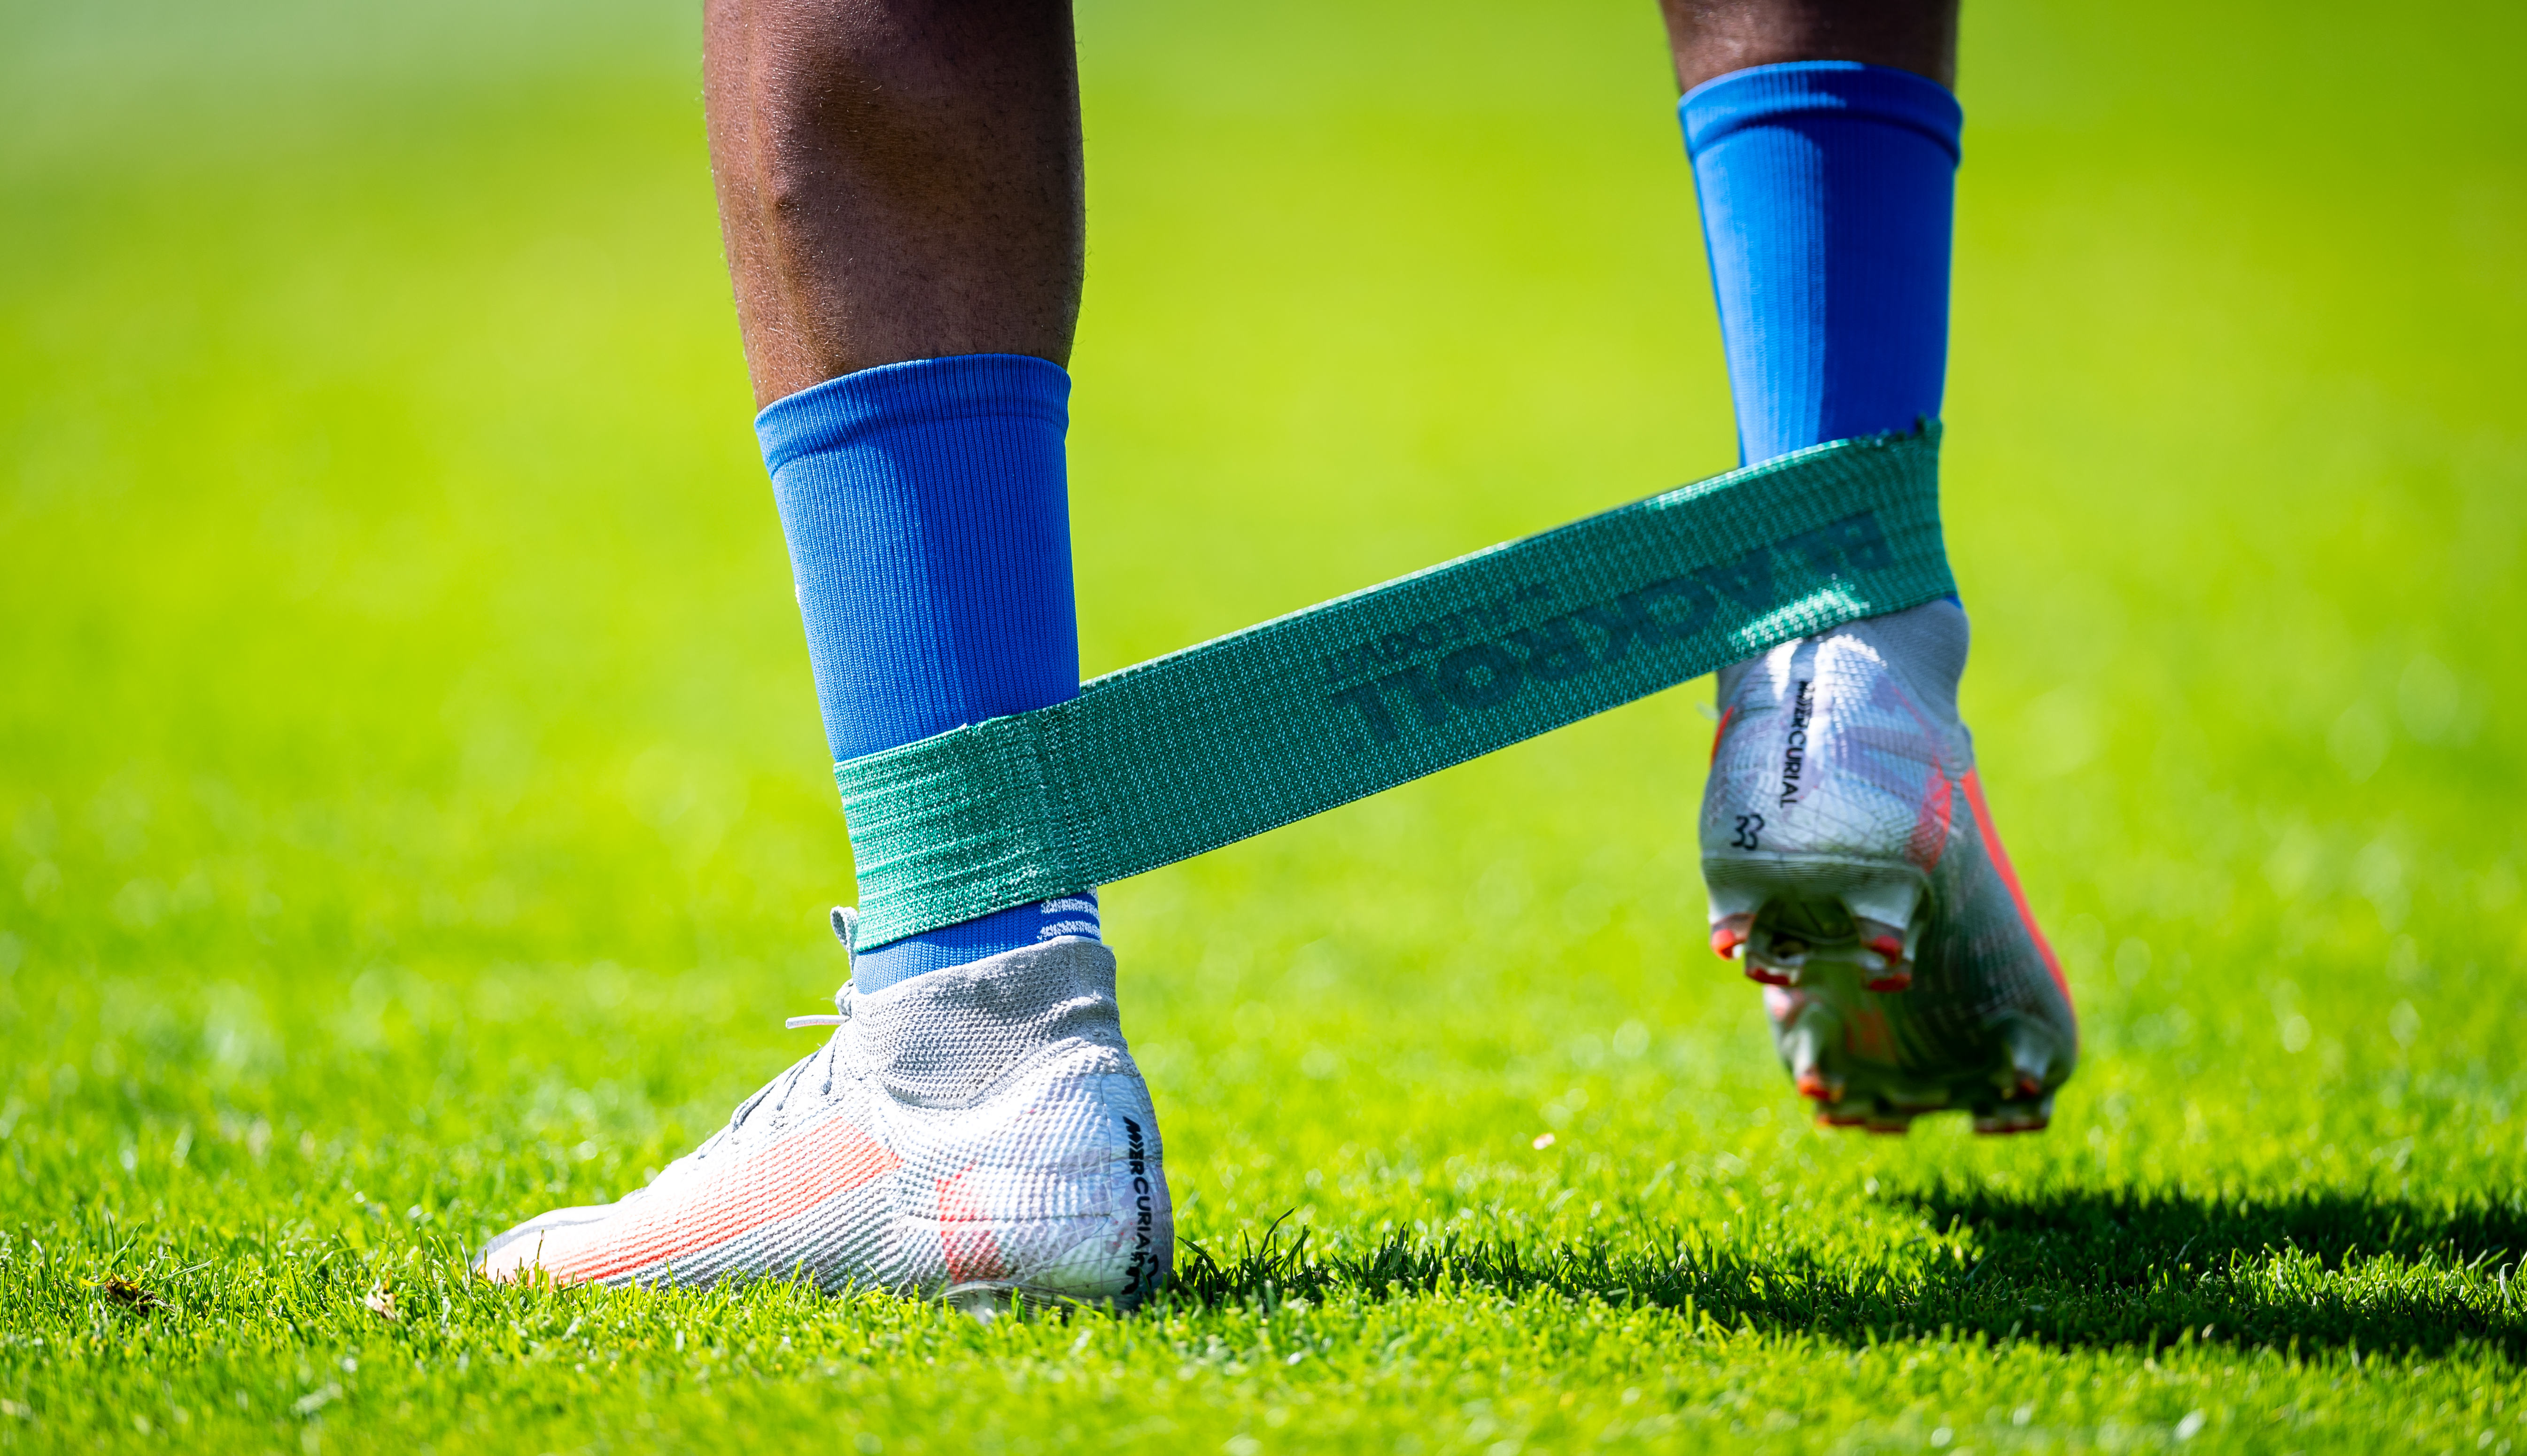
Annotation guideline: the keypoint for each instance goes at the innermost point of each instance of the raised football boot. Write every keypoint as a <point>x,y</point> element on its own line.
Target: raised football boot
<point>977,1133</point>
<point>1853,869</point>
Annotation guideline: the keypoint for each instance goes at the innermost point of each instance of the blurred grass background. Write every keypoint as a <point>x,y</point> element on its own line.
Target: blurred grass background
<point>410,778</point>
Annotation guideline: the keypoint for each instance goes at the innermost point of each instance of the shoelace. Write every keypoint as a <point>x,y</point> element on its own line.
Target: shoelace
<point>777,1089</point>
<point>840,1013</point>
<point>844,919</point>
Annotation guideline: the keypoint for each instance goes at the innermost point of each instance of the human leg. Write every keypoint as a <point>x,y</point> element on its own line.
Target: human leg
<point>899,187</point>
<point>1846,846</point>
<point>901,195</point>
<point>1710,39</point>
<point>898,180</point>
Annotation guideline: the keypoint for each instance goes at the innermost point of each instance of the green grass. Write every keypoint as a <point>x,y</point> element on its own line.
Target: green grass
<point>412,811</point>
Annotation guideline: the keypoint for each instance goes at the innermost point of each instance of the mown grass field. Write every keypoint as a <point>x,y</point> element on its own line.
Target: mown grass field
<point>413,815</point>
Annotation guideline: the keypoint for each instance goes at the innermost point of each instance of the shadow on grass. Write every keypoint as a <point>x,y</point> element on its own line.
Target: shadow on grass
<point>2322,1271</point>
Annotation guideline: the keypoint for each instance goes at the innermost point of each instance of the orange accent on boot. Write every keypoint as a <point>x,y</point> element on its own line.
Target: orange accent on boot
<point>742,1194</point>
<point>2009,877</point>
<point>1721,730</point>
<point>1868,1036</point>
<point>1930,837</point>
<point>965,1231</point>
<point>2006,1129</point>
<point>1725,939</point>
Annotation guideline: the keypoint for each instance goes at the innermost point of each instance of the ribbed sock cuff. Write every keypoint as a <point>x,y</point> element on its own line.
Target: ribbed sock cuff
<point>927,512</point>
<point>1765,93</point>
<point>926,508</point>
<point>1826,190</point>
<point>866,409</point>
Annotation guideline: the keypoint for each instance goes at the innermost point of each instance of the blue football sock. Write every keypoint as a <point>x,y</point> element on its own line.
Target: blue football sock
<point>929,527</point>
<point>1827,193</point>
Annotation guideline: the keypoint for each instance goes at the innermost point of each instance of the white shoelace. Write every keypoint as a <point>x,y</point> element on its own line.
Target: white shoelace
<point>840,1013</point>
<point>777,1091</point>
<point>843,922</point>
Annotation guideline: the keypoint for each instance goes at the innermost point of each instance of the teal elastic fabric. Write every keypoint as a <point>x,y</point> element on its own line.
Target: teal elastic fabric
<point>1247,732</point>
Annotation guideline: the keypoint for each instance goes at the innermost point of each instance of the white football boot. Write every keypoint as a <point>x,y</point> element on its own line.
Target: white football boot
<point>1853,869</point>
<point>974,1134</point>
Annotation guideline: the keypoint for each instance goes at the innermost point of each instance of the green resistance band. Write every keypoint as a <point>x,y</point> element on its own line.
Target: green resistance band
<point>1247,732</point>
